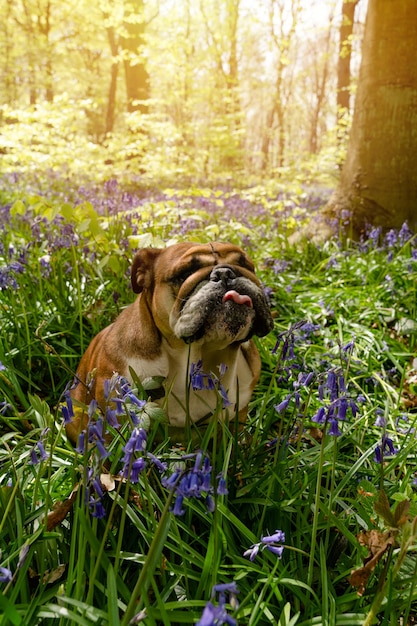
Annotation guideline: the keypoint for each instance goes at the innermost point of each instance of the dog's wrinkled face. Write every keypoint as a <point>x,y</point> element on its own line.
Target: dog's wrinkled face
<point>206,292</point>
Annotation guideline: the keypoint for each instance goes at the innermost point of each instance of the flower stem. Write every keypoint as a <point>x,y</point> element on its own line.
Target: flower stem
<point>153,555</point>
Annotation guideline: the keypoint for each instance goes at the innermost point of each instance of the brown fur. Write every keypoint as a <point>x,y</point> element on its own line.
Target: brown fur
<point>142,335</point>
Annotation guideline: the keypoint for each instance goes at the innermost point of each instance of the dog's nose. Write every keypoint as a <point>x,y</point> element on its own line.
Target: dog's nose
<point>222,274</point>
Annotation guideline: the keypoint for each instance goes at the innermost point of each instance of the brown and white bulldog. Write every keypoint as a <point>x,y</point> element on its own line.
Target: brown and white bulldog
<point>197,303</point>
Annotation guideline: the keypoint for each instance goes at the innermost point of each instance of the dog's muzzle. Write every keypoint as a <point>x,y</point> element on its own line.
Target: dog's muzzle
<point>227,306</point>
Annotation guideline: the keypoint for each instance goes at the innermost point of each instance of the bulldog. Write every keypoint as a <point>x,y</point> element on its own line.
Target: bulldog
<point>197,304</point>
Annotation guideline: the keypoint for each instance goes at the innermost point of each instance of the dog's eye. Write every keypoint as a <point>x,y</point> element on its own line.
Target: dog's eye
<point>182,275</point>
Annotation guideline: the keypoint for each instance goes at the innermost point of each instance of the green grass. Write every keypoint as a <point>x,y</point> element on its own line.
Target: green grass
<point>345,314</point>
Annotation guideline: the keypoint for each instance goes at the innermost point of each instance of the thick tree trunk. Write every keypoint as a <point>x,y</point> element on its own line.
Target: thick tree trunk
<point>378,182</point>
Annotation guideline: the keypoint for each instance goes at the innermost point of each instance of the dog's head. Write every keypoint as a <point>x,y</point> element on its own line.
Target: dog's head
<point>202,292</point>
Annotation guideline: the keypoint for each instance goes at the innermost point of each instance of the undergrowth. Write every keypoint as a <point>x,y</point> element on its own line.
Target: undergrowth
<point>307,517</point>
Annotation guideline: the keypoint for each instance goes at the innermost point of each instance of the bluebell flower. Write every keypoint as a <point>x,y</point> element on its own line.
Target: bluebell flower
<point>282,406</point>
<point>139,617</point>
<point>216,615</point>
<point>97,508</point>
<point>380,421</point>
<point>94,493</point>
<point>252,552</point>
<point>268,542</point>
<point>385,449</point>
<point>320,416</point>
<point>203,380</point>
<point>67,408</point>
<point>160,465</point>
<point>6,575</point>
<point>38,452</point>
<point>404,234</point>
<point>197,377</point>
<point>210,504</point>
<point>133,471</point>
<point>278,536</point>
<point>221,487</point>
<point>111,418</point>
<point>334,428</point>
<point>133,466</point>
<point>194,482</point>
<point>80,447</point>
<point>177,509</point>
<point>96,435</point>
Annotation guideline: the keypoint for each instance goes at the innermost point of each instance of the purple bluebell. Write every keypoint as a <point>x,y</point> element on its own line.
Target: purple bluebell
<point>216,615</point>
<point>268,542</point>
<point>385,449</point>
<point>6,575</point>
<point>38,452</point>
<point>67,408</point>
<point>97,508</point>
<point>133,471</point>
<point>194,482</point>
<point>96,435</point>
<point>282,406</point>
<point>200,380</point>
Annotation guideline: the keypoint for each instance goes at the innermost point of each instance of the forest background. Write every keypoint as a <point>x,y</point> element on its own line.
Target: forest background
<point>181,91</point>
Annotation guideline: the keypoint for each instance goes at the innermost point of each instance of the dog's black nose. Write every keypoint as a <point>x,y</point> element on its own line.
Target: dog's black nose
<point>222,274</point>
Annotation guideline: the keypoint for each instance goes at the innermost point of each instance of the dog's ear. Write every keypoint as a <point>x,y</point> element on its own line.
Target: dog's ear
<point>142,268</point>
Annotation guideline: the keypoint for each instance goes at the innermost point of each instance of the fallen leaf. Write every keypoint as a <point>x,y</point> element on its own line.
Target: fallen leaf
<point>377,544</point>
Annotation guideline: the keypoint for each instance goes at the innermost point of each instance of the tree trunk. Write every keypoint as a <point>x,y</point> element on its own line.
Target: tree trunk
<point>378,182</point>
<point>111,101</point>
<point>136,74</point>
<point>321,76</point>
<point>345,53</point>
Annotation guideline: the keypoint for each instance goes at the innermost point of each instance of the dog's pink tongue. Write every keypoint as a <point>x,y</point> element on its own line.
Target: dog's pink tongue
<point>238,298</point>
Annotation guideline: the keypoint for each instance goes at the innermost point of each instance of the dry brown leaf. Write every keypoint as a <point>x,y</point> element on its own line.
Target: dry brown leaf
<point>377,544</point>
<point>53,575</point>
<point>60,510</point>
<point>107,482</point>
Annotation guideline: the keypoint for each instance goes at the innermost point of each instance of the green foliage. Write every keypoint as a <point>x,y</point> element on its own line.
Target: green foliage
<point>327,455</point>
<point>232,93</point>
